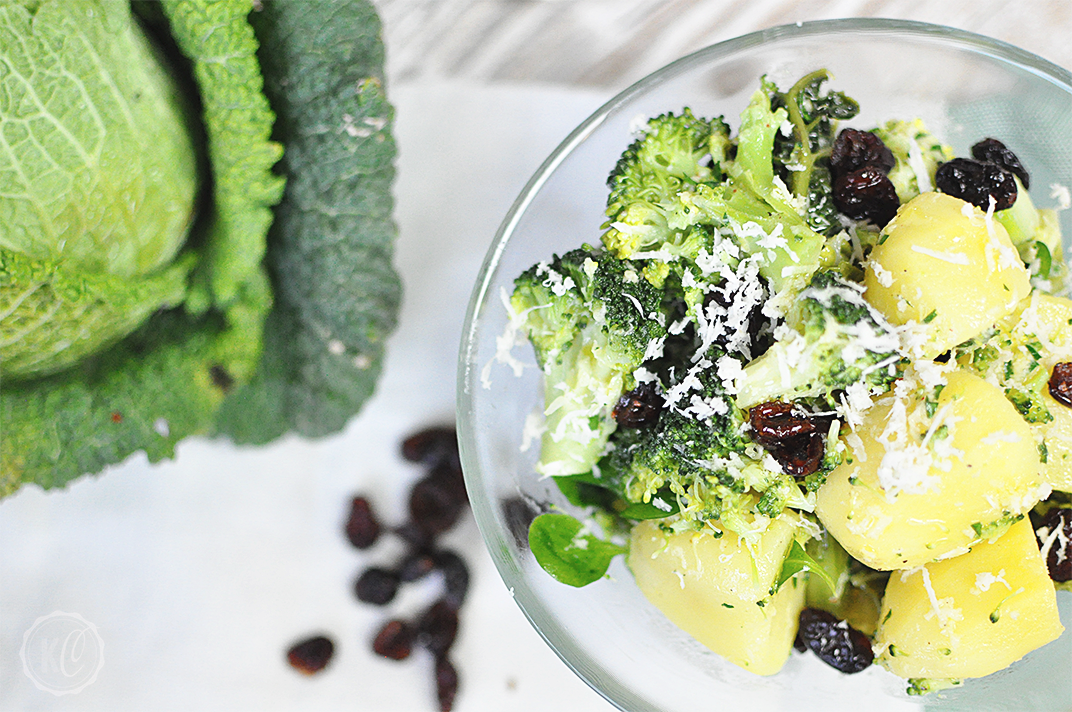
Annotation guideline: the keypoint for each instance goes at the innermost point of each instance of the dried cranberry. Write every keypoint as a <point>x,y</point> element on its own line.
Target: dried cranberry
<point>455,577</point>
<point>377,586</point>
<point>312,655</point>
<point>774,422</point>
<point>640,407</point>
<point>866,194</point>
<point>1056,529</point>
<point>362,527</point>
<point>1061,384</point>
<point>990,150</point>
<point>446,677</point>
<point>854,149</point>
<point>416,565</point>
<point>431,446</point>
<point>395,640</point>
<point>977,182</point>
<point>437,628</point>
<point>835,642</point>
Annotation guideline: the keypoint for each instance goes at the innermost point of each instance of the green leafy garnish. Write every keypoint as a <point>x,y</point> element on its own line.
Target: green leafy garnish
<point>798,560</point>
<point>570,556</point>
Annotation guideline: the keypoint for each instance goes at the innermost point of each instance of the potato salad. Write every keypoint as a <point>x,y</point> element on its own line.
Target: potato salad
<point>814,383</point>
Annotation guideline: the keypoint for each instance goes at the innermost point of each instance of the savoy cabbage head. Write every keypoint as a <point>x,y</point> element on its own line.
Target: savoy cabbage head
<point>195,225</point>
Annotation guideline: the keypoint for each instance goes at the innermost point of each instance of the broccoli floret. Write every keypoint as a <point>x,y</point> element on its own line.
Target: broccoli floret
<point>592,321</point>
<point>676,151</point>
<point>841,341</point>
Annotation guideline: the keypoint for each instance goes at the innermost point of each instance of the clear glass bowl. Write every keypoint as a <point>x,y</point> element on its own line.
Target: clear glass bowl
<point>965,87</point>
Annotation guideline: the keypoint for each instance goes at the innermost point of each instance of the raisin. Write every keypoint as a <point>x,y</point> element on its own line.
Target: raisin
<point>835,642</point>
<point>990,150</point>
<point>437,628</point>
<point>455,577</point>
<point>775,422</point>
<point>362,527</point>
<point>416,565</point>
<point>1055,529</point>
<point>312,655</point>
<point>377,586</point>
<point>431,446</point>
<point>866,194</point>
<point>518,515</point>
<point>640,407</point>
<point>977,182</point>
<point>446,678</point>
<point>1061,384</point>
<point>449,474</point>
<point>395,640</point>
<point>434,506</point>
<point>801,456</point>
<point>854,149</point>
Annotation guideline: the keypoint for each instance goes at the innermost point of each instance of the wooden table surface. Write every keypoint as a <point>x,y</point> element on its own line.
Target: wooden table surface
<point>608,44</point>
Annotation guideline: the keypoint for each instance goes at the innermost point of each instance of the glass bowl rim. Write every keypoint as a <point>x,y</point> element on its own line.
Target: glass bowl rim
<point>468,370</point>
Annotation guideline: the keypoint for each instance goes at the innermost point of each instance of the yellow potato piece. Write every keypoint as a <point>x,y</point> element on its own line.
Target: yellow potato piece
<point>971,615</point>
<point>951,493</point>
<point>942,263</point>
<point>712,587</point>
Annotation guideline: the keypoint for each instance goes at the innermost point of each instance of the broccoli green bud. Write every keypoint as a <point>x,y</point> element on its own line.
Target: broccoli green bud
<point>592,321</point>
<point>842,341</point>
<point>676,152</point>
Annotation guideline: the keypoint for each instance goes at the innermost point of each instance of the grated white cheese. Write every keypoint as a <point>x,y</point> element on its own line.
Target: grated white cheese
<point>985,579</point>
<point>955,258</point>
<point>919,167</point>
<point>1001,436</point>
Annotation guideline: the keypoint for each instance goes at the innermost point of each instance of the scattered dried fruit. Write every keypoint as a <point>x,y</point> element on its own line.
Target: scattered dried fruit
<point>395,640</point>
<point>312,655</point>
<point>377,586</point>
<point>431,446</point>
<point>446,684</point>
<point>362,527</point>
<point>416,565</point>
<point>455,577</point>
<point>437,627</point>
